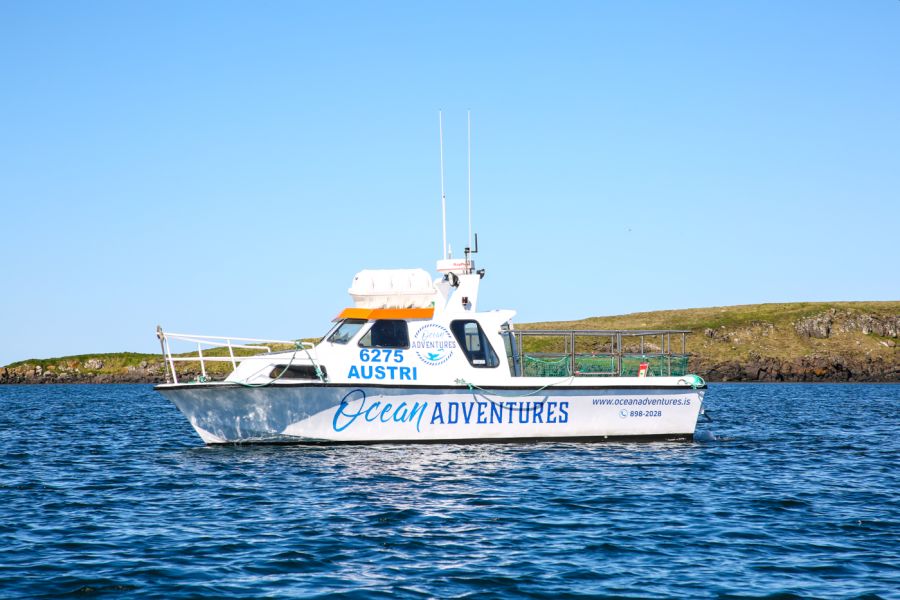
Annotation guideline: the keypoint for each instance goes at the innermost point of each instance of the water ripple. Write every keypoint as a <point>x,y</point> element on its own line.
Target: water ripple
<point>107,492</point>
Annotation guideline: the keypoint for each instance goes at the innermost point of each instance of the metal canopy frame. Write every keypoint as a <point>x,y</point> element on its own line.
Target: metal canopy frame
<point>617,347</point>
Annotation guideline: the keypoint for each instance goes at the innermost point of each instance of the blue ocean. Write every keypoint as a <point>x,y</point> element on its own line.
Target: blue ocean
<point>106,491</point>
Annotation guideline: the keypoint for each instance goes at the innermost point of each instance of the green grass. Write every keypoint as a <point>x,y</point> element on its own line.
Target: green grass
<point>717,316</point>
<point>760,329</point>
<point>765,330</point>
<point>114,359</point>
<point>118,362</point>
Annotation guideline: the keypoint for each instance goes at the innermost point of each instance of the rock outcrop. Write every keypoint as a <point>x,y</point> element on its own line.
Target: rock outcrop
<point>802,369</point>
<point>822,325</point>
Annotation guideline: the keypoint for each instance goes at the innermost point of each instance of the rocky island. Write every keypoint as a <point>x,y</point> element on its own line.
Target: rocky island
<point>808,341</point>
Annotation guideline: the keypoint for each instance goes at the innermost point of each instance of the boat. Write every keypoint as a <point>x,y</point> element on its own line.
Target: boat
<point>414,360</point>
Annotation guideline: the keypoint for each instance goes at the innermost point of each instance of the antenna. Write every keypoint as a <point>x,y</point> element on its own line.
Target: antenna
<point>443,195</point>
<point>469,157</point>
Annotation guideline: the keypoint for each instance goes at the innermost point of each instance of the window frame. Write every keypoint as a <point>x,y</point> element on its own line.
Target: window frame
<point>510,345</point>
<point>301,371</point>
<point>491,358</point>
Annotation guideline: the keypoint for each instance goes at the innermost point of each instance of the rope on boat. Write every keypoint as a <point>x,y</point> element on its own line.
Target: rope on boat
<point>315,365</point>
<point>695,383</point>
<point>472,387</point>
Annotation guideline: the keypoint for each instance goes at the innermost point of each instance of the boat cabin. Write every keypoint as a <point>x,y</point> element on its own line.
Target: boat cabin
<point>405,329</point>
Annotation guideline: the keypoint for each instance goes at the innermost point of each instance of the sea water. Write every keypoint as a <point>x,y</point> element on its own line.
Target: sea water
<point>106,491</point>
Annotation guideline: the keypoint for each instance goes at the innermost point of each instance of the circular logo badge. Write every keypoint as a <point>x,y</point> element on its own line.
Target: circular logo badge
<point>433,344</point>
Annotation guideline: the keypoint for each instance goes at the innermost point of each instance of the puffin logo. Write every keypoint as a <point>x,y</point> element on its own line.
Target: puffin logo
<point>433,344</point>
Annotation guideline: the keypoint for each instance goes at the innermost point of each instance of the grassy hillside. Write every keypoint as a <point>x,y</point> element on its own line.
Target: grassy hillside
<point>819,337</point>
<point>806,341</point>
<point>119,367</point>
<point>733,332</point>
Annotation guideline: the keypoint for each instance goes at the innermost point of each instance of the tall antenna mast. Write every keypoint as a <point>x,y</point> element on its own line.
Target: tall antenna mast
<point>469,156</point>
<point>443,195</point>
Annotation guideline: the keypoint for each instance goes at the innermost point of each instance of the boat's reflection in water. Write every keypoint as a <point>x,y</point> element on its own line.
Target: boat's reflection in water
<point>435,480</point>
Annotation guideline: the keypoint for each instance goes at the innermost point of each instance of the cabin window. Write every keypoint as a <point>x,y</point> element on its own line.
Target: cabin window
<point>296,372</point>
<point>386,333</point>
<point>474,343</point>
<point>346,330</point>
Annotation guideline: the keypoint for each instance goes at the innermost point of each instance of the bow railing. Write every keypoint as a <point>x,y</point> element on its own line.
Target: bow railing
<point>212,342</point>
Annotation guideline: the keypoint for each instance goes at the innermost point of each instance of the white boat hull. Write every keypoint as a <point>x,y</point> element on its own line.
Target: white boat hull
<point>338,413</point>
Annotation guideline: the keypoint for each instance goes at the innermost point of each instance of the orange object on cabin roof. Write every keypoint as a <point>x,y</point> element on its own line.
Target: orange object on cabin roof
<point>386,313</point>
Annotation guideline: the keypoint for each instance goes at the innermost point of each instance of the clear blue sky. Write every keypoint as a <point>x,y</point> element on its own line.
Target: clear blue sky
<point>226,167</point>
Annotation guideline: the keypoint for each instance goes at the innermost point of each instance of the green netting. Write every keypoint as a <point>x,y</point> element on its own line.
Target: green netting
<point>659,365</point>
<point>590,364</point>
<point>678,365</point>
<point>546,366</point>
<point>559,365</point>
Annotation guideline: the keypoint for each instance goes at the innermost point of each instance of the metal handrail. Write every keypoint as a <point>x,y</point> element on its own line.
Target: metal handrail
<point>617,350</point>
<point>601,332</point>
<point>213,341</point>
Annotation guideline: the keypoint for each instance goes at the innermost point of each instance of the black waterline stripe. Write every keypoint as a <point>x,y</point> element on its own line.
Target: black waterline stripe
<point>187,386</point>
<point>660,437</point>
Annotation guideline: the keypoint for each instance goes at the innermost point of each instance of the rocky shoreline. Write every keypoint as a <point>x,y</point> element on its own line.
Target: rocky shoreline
<point>90,371</point>
<point>877,363</point>
<point>804,342</point>
<point>807,369</point>
<point>758,369</point>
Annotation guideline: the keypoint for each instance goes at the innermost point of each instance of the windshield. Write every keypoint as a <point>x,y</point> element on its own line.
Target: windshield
<point>346,330</point>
